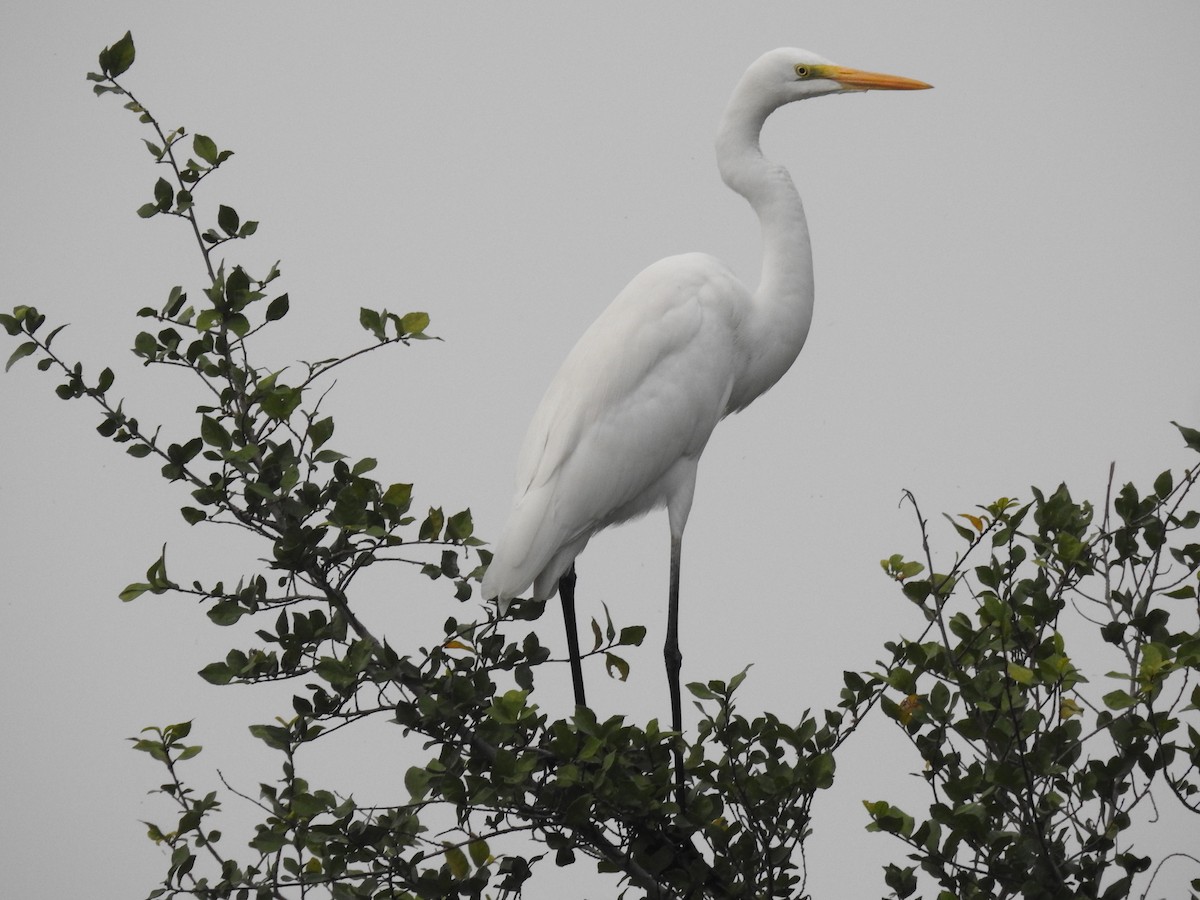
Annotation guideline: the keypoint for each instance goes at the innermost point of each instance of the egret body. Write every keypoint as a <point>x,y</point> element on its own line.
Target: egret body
<point>622,426</point>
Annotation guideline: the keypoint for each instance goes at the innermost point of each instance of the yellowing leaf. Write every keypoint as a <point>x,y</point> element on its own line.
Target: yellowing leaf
<point>977,523</point>
<point>457,861</point>
<point>1020,674</point>
<point>456,644</point>
<point>1068,708</point>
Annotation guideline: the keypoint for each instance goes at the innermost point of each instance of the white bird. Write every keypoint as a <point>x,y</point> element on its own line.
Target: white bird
<point>622,426</point>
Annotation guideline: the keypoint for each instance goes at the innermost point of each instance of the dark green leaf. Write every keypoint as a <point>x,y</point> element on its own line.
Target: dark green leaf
<point>632,636</point>
<point>369,319</point>
<point>271,735</point>
<point>226,612</point>
<point>1190,436</point>
<point>366,464</point>
<point>1163,484</point>
<point>613,663</point>
<point>278,308</point>
<point>116,60</point>
<point>51,335</point>
<point>431,528</point>
<point>205,148</point>
<point>164,194</point>
<point>227,218</point>
<point>321,431</point>
<point>214,433</point>
<point>20,353</point>
<point>217,673</point>
<point>238,324</point>
<point>281,402</point>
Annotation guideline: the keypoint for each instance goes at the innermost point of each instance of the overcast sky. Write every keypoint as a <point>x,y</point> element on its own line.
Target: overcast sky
<point>1007,275</point>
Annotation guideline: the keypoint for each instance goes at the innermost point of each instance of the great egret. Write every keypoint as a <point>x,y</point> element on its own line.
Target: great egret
<point>622,426</point>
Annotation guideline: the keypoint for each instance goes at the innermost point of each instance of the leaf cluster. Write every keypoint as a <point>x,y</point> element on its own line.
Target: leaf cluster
<point>1035,776</point>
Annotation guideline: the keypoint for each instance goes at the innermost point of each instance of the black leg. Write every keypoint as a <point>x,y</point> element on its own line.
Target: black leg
<point>674,660</point>
<point>566,593</point>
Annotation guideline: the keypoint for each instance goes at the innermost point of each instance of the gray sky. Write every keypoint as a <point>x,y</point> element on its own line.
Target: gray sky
<point>1006,295</point>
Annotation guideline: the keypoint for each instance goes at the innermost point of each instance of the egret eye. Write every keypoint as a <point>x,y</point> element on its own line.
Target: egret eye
<point>802,71</point>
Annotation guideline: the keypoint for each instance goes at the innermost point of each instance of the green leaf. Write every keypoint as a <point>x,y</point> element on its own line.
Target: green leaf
<point>632,636</point>
<point>217,673</point>
<point>398,495</point>
<point>369,320</point>
<point>278,308</point>
<point>281,402</point>
<point>117,59</point>
<point>1118,700</point>
<point>1190,436</point>
<point>457,861</point>
<point>416,780</point>
<point>1163,484</point>
<point>480,852</point>
<point>321,431</point>
<point>366,464</point>
<point>193,515</point>
<point>238,324</point>
<point>226,612</point>
<point>205,148</point>
<point>271,735</point>
<point>133,591</point>
<point>214,433</point>
<point>227,218</point>
<point>146,210</point>
<point>459,526</point>
<point>701,691</point>
<point>431,528</point>
<point>613,662</point>
<point>164,194</point>
<point>50,337</point>
<point>21,352</point>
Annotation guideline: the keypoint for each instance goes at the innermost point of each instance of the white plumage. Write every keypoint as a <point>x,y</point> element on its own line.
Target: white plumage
<point>622,426</point>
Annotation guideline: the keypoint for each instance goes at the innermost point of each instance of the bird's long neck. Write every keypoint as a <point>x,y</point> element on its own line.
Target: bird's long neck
<point>778,322</point>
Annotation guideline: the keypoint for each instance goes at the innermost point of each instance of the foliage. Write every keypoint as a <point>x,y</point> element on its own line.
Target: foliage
<point>1036,773</point>
<point>1027,801</point>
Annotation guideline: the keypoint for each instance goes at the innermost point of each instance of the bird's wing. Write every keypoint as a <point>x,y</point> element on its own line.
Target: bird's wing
<point>639,393</point>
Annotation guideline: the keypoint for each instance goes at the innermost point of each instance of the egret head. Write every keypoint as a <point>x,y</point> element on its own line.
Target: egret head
<point>788,74</point>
